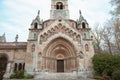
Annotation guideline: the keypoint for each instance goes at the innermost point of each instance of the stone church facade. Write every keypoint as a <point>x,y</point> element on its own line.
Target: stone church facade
<point>55,45</point>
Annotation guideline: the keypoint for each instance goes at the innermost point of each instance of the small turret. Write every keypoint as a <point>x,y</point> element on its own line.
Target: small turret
<point>37,23</point>
<point>82,22</point>
<point>3,38</point>
<point>36,26</point>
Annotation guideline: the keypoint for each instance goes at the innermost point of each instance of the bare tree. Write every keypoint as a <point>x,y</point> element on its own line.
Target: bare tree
<point>97,34</point>
<point>116,6</point>
<point>108,36</point>
<point>117,33</point>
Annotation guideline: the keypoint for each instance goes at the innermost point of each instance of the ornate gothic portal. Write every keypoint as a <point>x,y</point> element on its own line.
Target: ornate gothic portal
<point>60,56</point>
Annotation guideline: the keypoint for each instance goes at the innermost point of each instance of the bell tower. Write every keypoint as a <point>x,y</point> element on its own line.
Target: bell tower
<point>59,8</point>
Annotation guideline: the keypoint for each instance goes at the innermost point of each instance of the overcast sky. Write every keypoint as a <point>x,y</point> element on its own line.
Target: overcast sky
<point>17,15</point>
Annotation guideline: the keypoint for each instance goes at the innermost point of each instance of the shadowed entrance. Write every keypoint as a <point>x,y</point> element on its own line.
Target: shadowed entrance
<point>3,64</point>
<point>60,65</point>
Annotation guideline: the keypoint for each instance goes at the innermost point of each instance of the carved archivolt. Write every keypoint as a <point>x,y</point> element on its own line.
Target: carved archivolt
<point>60,28</point>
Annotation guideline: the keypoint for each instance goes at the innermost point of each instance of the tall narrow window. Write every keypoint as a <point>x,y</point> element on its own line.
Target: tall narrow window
<point>57,6</point>
<point>36,25</point>
<point>83,25</point>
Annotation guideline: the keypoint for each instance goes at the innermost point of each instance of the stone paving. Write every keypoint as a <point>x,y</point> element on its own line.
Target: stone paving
<point>56,76</point>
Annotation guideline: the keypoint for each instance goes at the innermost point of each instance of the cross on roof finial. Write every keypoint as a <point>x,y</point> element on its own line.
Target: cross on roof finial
<point>38,12</point>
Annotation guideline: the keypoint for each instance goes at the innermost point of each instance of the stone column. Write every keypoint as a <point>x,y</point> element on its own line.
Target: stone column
<point>8,69</point>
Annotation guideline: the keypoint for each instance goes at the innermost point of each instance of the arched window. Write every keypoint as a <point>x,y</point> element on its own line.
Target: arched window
<point>86,47</point>
<point>59,5</point>
<point>24,66</point>
<point>20,67</point>
<point>35,25</point>
<point>15,67</point>
<point>83,25</point>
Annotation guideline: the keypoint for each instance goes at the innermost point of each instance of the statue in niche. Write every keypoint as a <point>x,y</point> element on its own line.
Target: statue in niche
<point>86,47</point>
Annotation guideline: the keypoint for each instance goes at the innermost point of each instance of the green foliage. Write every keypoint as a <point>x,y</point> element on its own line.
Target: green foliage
<point>20,75</point>
<point>116,75</point>
<point>13,76</point>
<point>28,76</point>
<point>98,77</point>
<point>105,64</point>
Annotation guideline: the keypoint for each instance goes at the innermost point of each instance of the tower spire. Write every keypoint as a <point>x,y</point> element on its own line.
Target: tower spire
<point>38,16</point>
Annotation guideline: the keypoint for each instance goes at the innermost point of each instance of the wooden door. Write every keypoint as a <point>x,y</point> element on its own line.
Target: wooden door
<point>60,65</point>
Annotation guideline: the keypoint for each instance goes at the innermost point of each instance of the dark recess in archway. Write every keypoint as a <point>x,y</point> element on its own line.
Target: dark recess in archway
<point>3,65</point>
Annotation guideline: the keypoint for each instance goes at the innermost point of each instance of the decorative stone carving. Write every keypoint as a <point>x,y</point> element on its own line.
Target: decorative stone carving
<point>62,29</point>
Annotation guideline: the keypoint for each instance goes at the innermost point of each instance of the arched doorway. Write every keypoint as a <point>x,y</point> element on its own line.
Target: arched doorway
<point>3,64</point>
<point>60,56</point>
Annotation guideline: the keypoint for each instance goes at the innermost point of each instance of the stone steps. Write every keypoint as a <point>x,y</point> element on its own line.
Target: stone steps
<point>56,76</point>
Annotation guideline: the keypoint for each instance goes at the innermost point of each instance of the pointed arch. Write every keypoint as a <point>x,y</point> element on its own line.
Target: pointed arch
<point>60,41</point>
<point>60,49</point>
<point>61,35</point>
